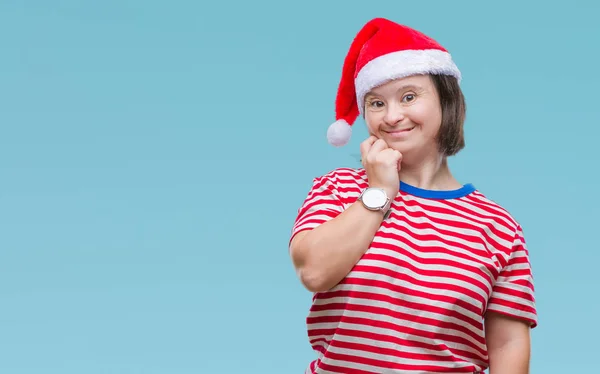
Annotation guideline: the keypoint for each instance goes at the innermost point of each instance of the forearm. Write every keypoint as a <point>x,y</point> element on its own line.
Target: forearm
<point>512,358</point>
<point>327,253</point>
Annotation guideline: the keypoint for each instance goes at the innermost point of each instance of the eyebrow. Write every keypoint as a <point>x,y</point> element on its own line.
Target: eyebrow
<point>401,88</point>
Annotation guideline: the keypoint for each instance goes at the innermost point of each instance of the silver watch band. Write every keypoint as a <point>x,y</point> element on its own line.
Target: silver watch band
<point>387,208</point>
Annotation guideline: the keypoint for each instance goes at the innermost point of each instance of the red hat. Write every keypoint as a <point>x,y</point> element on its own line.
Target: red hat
<point>382,51</point>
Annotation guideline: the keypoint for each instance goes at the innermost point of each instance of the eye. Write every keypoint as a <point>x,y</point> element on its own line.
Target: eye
<point>376,104</point>
<point>408,98</point>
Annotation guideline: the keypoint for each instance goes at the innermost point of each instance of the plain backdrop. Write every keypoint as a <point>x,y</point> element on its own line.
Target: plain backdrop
<point>153,156</point>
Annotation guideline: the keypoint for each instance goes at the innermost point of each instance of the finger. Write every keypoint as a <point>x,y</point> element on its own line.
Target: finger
<point>398,156</point>
<point>389,157</point>
<point>377,147</point>
<point>394,157</point>
<point>366,145</point>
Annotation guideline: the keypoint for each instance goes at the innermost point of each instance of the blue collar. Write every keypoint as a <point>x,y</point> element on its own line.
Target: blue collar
<point>432,194</point>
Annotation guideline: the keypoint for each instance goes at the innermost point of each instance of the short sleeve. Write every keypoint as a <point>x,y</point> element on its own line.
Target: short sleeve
<point>321,205</point>
<point>513,292</point>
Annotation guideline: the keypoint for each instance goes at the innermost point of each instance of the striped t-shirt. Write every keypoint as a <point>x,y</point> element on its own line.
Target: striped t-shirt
<point>415,301</point>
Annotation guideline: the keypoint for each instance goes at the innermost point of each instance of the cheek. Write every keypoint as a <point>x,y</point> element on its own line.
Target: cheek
<point>430,118</point>
<point>372,121</point>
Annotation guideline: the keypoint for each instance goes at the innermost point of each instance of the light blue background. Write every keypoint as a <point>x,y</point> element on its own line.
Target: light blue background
<point>153,156</point>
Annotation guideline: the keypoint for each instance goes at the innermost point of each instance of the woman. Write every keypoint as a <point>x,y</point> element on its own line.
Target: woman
<point>412,272</point>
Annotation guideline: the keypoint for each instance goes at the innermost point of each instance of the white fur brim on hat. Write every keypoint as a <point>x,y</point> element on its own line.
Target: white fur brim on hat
<point>402,64</point>
<point>339,133</point>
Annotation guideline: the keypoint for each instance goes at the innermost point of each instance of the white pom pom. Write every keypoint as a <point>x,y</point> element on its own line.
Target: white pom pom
<point>338,133</point>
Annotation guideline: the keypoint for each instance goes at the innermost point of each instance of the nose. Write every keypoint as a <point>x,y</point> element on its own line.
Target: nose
<point>394,114</point>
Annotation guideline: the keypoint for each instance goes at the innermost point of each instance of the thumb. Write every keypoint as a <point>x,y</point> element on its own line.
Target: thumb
<point>398,159</point>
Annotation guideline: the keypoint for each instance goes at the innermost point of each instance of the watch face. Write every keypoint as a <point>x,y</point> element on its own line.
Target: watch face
<point>374,198</point>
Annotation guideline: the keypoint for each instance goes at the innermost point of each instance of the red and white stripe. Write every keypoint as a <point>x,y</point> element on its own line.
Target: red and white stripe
<point>415,301</point>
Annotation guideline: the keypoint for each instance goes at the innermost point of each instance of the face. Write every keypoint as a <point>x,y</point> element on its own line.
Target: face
<point>406,113</point>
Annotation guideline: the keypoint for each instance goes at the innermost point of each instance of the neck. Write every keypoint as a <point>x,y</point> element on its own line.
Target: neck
<point>430,173</point>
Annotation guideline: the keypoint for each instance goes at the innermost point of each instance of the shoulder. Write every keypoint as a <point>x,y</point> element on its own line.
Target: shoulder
<point>489,208</point>
<point>343,176</point>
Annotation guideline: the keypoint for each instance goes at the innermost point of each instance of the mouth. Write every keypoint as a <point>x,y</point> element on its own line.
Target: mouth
<point>400,133</point>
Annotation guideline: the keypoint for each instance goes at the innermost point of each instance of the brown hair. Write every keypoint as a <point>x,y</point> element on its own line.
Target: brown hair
<point>451,138</point>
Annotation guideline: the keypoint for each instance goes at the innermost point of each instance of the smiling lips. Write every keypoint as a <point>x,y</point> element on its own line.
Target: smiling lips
<point>400,133</point>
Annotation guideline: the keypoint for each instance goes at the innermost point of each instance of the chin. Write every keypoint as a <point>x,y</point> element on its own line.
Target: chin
<point>401,146</point>
<point>410,151</point>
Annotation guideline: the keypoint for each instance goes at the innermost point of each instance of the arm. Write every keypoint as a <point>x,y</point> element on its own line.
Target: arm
<point>509,344</point>
<point>324,255</point>
<point>511,312</point>
<point>338,237</point>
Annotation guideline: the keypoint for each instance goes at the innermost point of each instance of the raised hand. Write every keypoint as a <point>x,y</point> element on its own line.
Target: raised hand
<point>382,165</point>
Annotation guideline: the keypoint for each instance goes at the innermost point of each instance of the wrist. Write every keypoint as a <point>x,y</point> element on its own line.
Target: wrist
<point>389,192</point>
<point>392,193</point>
<point>377,199</point>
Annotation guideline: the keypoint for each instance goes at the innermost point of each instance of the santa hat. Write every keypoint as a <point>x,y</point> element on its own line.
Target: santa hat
<point>382,51</point>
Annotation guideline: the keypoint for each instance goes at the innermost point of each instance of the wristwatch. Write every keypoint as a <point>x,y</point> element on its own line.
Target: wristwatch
<point>377,200</point>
